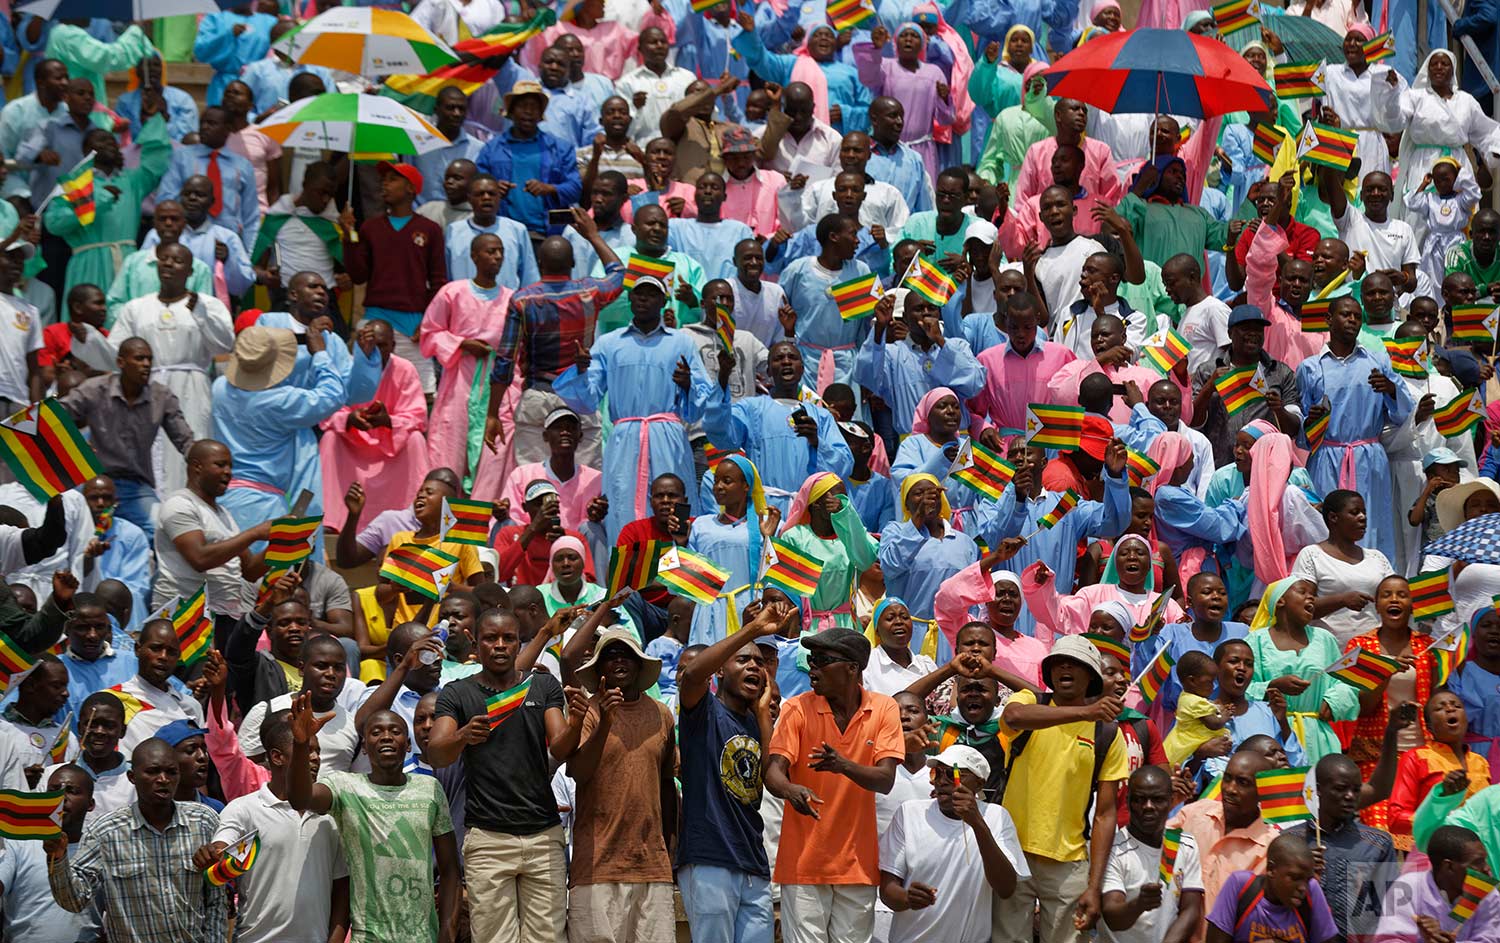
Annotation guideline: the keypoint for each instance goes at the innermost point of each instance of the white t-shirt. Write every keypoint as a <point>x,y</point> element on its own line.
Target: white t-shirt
<point>884,676</point>
<point>922,844</point>
<point>1132,865</point>
<point>1206,327</point>
<point>337,741</point>
<point>1057,273</point>
<point>1390,244</point>
<point>20,334</point>
<point>285,897</point>
<point>167,706</point>
<point>181,513</point>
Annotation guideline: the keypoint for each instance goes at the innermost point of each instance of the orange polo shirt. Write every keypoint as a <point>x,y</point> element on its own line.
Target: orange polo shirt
<point>842,846</point>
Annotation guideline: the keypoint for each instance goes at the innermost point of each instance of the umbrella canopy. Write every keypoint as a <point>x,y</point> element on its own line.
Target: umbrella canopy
<point>366,41</point>
<point>1305,39</point>
<point>1159,71</point>
<point>337,121</point>
<point>120,10</point>
<point>1476,541</point>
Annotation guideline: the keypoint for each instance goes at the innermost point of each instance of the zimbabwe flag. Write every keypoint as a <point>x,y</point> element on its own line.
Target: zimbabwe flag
<point>45,450</point>
<point>848,14</point>
<point>1140,466</point>
<point>418,568</point>
<point>723,326</point>
<point>1477,886</point>
<point>633,565</point>
<point>1406,356</point>
<point>690,575</point>
<point>928,281</point>
<point>195,630</point>
<point>1156,674</point>
<point>1363,669</point>
<point>1241,388</point>
<point>1475,324</point>
<point>1165,349</point>
<point>982,470</point>
<point>1109,646</point>
<point>641,266</point>
<point>1282,799</point>
<point>1054,427</point>
<point>466,522</point>
<point>1315,432</point>
<point>419,92</point>
<point>499,707</point>
<point>1266,141</point>
<point>1430,595</point>
<point>291,540</point>
<point>1171,843</point>
<point>1381,47</point>
<point>77,187</point>
<point>30,816</point>
<point>1448,653</point>
<point>1459,415</point>
<point>1067,502</point>
<point>1314,315</point>
<point>856,298</point>
<point>15,663</point>
<point>790,570</point>
<point>236,860</point>
<point>1326,146</point>
<point>1235,15</point>
<point>1300,80</point>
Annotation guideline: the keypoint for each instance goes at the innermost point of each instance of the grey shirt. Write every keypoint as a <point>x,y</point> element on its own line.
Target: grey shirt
<point>125,430</point>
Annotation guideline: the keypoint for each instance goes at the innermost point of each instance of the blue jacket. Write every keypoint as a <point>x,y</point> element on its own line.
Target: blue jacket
<point>558,166</point>
<point>1479,24</point>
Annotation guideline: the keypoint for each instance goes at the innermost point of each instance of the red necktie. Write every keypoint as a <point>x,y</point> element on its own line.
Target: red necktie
<point>216,178</point>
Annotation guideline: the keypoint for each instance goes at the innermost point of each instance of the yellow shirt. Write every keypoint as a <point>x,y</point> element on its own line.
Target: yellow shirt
<point>1049,790</point>
<point>376,628</point>
<point>468,565</point>
<point>293,676</point>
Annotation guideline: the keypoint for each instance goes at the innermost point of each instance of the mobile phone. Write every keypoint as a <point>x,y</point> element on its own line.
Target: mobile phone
<point>683,511</point>
<point>1118,388</point>
<point>559,217</point>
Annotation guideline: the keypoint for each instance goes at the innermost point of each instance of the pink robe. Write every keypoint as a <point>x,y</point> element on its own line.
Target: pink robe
<point>1098,176</point>
<point>607,47</point>
<point>1285,339</point>
<point>752,201</point>
<point>1023,223</point>
<point>970,587</point>
<point>574,494</point>
<point>457,314</point>
<point>674,188</point>
<point>1069,615</point>
<point>1063,387</point>
<point>915,90</point>
<point>388,462</point>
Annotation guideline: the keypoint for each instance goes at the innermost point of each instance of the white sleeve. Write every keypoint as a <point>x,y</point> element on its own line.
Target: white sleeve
<point>893,845</point>
<point>1114,875</point>
<point>12,557</point>
<point>1301,524</point>
<point>1005,836</point>
<point>1189,870</point>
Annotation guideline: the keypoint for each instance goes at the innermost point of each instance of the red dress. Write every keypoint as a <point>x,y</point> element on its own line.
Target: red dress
<point>1369,729</point>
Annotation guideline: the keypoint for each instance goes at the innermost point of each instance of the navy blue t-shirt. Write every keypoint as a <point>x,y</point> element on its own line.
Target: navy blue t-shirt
<point>721,786</point>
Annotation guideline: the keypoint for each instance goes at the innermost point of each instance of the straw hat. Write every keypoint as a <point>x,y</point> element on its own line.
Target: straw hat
<point>262,358</point>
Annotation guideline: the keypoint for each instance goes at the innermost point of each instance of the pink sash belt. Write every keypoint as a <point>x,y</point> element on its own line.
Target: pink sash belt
<point>643,457</point>
<point>1346,467</point>
<point>825,361</point>
<point>256,486</point>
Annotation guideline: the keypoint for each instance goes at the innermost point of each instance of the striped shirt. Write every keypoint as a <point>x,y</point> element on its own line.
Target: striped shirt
<point>549,320</point>
<point>151,891</point>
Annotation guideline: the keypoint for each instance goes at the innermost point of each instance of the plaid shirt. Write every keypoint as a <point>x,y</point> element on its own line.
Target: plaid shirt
<point>1359,864</point>
<point>546,322</point>
<point>151,891</point>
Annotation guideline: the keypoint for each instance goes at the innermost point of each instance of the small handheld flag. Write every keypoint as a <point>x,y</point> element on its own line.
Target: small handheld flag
<point>1381,47</point>
<point>30,816</point>
<point>1140,466</point>
<point>1281,797</point>
<point>1150,681</point>
<point>1171,841</point>
<point>640,266</point>
<point>1476,323</point>
<point>45,450</point>
<point>633,565</point>
<point>723,326</point>
<point>500,706</point>
<point>15,663</point>
<point>466,522</point>
<point>1165,349</point>
<point>1314,315</point>
<point>1448,653</point>
<point>856,298</point>
<point>1300,80</point>
<point>1235,15</point>
<point>419,568</point>
<point>849,14</point>
<point>1316,430</point>
<point>982,470</point>
<point>1241,388</point>
<point>690,575</point>
<point>1363,669</point>
<point>77,187</point>
<point>790,570</point>
<point>1266,141</point>
<point>1459,415</point>
<point>1215,789</point>
<point>194,628</point>
<point>103,521</point>
<point>703,6</point>
<point>1326,146</point>
<point>291,540</point>
<point>1154,619</point>
<point>1067,502</point>
<point>928,281</point>
<point>1406,356</point>
<point>1477,886</point>
<point>1054,427</point>
<point>1430,595</point>
<point>236,860</point>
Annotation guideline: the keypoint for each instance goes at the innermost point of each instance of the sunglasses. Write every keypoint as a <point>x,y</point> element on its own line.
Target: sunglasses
<point>821,660</point>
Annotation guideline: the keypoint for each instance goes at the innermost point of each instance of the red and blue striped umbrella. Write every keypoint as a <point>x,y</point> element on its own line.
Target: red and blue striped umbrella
<point>1159,71</point>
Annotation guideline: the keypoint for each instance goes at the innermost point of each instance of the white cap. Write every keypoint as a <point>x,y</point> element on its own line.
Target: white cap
<point>959,756</point>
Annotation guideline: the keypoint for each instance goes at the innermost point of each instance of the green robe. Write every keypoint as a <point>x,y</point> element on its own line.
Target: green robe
<point>1013,132</point>
<point>843,559</point>
<point>1163,230</point>
<point>923,228</point>
<point>1150,298</point>
<point>1318,739</point>
<point>100,248</point>
<point>88,58</point>
<point>617,313</point>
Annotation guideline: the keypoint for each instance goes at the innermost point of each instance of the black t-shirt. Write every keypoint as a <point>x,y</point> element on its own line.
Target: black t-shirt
<point>721,786</point>
<point>509,775</point>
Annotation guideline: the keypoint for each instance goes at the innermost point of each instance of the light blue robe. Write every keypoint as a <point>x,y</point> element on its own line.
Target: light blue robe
<point>844,87</point>
<point>1017,516</point>
<point>977,514</point>
<point>903,168</point>
<point>87,677</point>
<point>1184,521</point>
<point>270,434</point>
<point>980,331</point>
<point>361,372</point>
<point>182,112</point>
<point>517,269</point>
<point>728,546</point>
<point>1179,639</point>
<point>819,324</point>
<point>915,566</point>
<point>901,374</point>
<point>761,425</point>
<point>703,48</point>
<point>269,80</point>
<point>804,244</point>
<point>128,560</point>
<point>1256,721</point>
<point>636,370</point>
<point>712,244</point>
<point>1357,415</point>
<point>217,46</point>
<point>875,500</point>
<point>434,164</point>
<point>571,115</point>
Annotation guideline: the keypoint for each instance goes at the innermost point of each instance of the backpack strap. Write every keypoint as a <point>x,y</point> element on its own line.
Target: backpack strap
<point>1016,746</point>
<point>1104,738</point>
<point>1251,894</point>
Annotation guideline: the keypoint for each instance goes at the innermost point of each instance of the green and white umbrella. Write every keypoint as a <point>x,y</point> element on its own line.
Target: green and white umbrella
<point>337,121</point>
<point>366,41</point>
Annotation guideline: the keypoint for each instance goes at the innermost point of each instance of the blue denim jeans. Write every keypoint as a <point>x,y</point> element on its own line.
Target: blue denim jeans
<point>723,904</point>
<point>135,501</point>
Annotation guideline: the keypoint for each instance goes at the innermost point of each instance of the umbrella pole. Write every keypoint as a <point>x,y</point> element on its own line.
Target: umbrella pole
<point>349,199</point>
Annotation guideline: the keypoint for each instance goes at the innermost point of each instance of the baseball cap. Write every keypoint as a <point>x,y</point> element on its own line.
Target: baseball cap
<point>1247,314</point>
<point>651,281</point>
<point>1097,431</point>
<point>961,757</point>
<point>178,731</point>
<point>1440,456</point>
<point>539,488</point>
<point>844,643</point>
<point>413,175</point>
<point>561,412</point>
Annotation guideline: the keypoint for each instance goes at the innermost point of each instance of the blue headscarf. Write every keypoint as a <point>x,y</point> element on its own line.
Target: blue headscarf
<point>756,503</point>
<point>1161,164</point>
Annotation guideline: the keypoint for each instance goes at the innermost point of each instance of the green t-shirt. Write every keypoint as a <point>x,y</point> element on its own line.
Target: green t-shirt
<point>387,834</point>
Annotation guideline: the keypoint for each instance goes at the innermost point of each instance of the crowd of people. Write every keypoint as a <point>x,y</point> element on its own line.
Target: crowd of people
<point>919,507</point>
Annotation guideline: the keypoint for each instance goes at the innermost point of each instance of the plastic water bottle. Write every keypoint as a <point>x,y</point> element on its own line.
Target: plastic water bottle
<point>429,657</point>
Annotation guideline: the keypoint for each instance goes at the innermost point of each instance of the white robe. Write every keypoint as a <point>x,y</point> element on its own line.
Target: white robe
<point>1406,444</point>
<point>184,344</point>
<point>1349,95</point>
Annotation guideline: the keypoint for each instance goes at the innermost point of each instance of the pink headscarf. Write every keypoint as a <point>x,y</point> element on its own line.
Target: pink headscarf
<point>812,489</point>
<point>1271,463</point>
<point>925,404</point>
<point>958,85</point>
<point>806,69</point>
<point>1168,450</point>
<point>1365,30</point>
<point>569,542</point>
<point>1032,69</point>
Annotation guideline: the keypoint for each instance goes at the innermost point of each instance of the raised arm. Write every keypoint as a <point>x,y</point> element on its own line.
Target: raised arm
<point>303,794</point>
